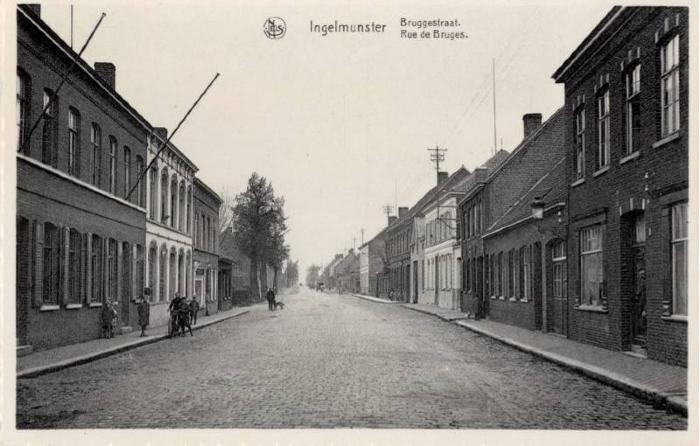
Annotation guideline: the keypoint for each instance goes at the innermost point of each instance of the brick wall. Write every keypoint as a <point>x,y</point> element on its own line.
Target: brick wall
<point>644,184</point>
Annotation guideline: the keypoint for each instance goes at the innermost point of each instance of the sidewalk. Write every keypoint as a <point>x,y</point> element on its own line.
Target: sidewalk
<point>655,381</point>
<point>47,361</point>
<point>374,299</point>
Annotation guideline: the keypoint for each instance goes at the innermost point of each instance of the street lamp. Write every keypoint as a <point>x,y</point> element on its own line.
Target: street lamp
<point>537,208</point>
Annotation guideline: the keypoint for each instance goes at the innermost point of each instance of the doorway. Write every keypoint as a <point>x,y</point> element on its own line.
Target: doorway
<point>557,289</point>
<point>634,289</point>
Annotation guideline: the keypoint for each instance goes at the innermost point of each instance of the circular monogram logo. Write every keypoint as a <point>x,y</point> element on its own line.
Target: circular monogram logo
<point>274,28</point>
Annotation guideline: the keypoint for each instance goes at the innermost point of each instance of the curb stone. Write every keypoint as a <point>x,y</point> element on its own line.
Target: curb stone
<point>374,299</point>
<point>84,359</point>
<point>671,402</point>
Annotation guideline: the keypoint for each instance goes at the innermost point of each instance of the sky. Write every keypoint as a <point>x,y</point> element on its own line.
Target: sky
<point>339,124</point>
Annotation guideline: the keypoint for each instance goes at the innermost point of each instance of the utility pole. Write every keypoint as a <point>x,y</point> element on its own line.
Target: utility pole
<point>165,143</point>
<point>54,95</point>
<point>362,236</point>
<point>437,154</point>
<point>493,72</point>
<point>387,208</point>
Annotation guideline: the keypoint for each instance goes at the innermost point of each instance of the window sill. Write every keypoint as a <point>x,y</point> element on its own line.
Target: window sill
<point>512,299</point>
<point>95,304</point>
<point>49,308</point>
<point>578,182</point>
<point>630,157</point>
<point>493,297</point>
<point>524,300</point>
<point>74,306</point>
<point>601,171</point>
<point>591,308</point>
<point>501,298</point>
<point>675,318</point>
<point>666,139</point>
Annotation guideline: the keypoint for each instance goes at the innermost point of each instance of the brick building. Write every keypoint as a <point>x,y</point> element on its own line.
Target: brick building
<point>398,238</point>
<point>489,207</point>
<point>474,217</point>
<point>206,247</point>
<point>80,242</point>
<point>626,112</point>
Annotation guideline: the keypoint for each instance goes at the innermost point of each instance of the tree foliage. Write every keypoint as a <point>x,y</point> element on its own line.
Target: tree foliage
<point>313,275</point>
<point>259,227</point>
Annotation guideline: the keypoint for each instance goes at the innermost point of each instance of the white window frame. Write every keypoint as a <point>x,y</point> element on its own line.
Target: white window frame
<point>633,87</point>
<point>676,241</point>
<point>670,73</point>
<point>583,235</point>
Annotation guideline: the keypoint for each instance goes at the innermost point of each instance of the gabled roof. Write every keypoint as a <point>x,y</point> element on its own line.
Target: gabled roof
<point>553,119</point>
<point>602,29</point>
<point>474,183</point>
<point>551,187</point>
<point>454,183</point>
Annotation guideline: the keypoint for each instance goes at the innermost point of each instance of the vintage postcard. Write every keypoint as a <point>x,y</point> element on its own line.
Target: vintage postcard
<point>320,222</point>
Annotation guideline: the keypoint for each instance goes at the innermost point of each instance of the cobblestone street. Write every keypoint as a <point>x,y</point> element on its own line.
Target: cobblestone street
<point>329,361</point>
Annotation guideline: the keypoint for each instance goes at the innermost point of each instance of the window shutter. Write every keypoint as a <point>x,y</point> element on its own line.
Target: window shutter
<point>63,266</point>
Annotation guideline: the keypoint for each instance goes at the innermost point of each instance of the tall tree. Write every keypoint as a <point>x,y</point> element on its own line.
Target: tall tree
<point>312,275</point>
<point>259,227</point>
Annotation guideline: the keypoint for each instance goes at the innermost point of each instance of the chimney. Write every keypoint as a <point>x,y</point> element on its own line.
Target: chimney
<point>530,123</point>
<point>162,133</point>
<point>402,211</point>
<point>442,177</point>
<point>35,8</point>
<point>107,72</point>
<point>392,219</point>
<point>480,174</point>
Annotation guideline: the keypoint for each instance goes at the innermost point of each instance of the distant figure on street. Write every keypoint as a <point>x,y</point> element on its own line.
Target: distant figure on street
<point>194,309</point>
<point>143,308</point>
<point>270,295</point>
<point>107,316</point>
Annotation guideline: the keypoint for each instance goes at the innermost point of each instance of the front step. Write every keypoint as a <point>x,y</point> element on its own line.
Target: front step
<point>126,329</point>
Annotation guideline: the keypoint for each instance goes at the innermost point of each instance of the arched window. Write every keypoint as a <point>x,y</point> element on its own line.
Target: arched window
<point>164,196</point>
<point>153,186</point>
<point>173,201</point>
<point>140,190</point>
<point>189,209</point>
<point>181,207</point>
<point>73,142</point>
<point>140,269</point>
<point>112,165</point>
<point>127,172</point>
<point>49,138</point>
<point>163,263</point>
<point>23,105</point>
<point>152,261</point>
<point>172,279</point>
<point>96,158</point>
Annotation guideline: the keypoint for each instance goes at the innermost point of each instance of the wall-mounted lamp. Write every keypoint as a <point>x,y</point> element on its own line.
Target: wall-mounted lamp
<point>537,208</point>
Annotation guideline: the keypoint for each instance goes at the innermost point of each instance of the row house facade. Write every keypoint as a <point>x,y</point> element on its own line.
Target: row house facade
<point>374,264</point>
<point>473,211</point>
<point>80,235</point>
<point>626,107</point>
<point>398,239</point>
<point>169,224</point>
<point>500,189</point>
<point>439,268</point>
<point>206,247</point>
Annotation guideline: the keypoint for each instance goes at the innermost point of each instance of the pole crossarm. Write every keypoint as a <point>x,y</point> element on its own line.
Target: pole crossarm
<point>165,144</point>
<point>54,95</point>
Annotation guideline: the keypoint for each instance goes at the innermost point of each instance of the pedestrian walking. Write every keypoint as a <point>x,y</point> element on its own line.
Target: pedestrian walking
<point>270,295</point>
<point>194,309</point>
<point>107,316</point>
<point>143,308</point>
